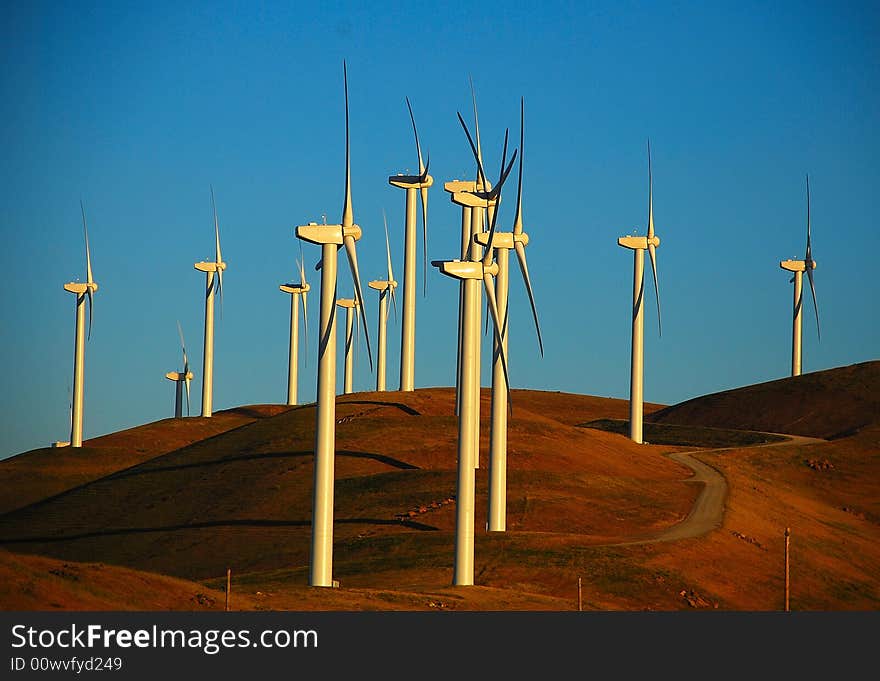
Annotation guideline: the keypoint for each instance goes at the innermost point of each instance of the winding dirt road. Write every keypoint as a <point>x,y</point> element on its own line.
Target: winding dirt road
<point>707,513</point>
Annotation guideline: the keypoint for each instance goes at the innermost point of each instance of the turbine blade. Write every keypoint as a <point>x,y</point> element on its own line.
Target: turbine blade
<point>517,220</point>
<point>652,253</point>
<point>650,195</point>
<point>479,150</point>
<point>218,256</point>
<point>89,278</point>
<point>473,149</point>
<point>493,310</point>
<point>524,268</point>
<point>416,133</point>
<point>808,262</point>
<point>347,214</point>
<point>186,382</point>
<point>393,300</point>
<point>423,194</point>
<point>815,304</point>
<point>355,275</point>
<point>387,248</point>
<point>302,269</point>
<point>306,324</point>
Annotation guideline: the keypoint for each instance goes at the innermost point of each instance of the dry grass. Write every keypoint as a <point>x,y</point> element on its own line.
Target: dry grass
<point>242,498</point>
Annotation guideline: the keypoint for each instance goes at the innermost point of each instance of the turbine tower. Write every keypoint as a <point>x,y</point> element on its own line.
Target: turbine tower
<point>349,304</point>
<point>502,243</point>
<point>181,379</point>
<point>297,292</point>
<point>412,184</point>
<point>330,238</point>
<point>386,288</point>
<point>213,275</point>
<point>798,267</point>
<point>81,291</point>
<point>471,271</point>
<point>639,245</point>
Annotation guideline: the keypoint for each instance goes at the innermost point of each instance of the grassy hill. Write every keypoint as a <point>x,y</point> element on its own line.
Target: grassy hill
<point>577,500</point>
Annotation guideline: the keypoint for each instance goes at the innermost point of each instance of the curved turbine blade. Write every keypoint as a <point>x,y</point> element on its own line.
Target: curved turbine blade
<point>493,310</point>
<point>347,215</point>
<point>808,262</point>
<point>479,150</point>
<point>652,250</point>
<point>423,194</point>
<point>355,275</point>
<point>524,268</point>
<point>387,247</point>
<point>218,257</point>
<point>89,278</point>
<point>473,149</point>
<point>303,282</point>
<point>517,220</point>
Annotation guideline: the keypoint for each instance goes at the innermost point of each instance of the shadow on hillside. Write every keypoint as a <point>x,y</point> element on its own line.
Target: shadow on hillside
<point>208,524</point>
<point>381,458</point>
<point>688,436</point>
<point>406,409</point>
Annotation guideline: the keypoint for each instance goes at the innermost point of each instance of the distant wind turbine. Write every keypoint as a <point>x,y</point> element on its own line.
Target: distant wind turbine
<point>798,267</point>
<point>81,291</point>
<point>472,271</point>
<point>181,380</point>
<point>350,305</point>
<point>330,238</point>
<point>640,244</point>
<point>386,288</point>
<point>412,184</point>
<point>214,276</point>
<point>297,292</point>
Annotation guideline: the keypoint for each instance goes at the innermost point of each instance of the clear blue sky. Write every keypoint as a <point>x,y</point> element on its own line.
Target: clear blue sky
<point>138,108</point>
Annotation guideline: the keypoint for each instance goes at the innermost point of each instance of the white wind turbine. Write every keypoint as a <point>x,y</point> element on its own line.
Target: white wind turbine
<point>350,305</point>
<point>181,380</point>
<point>473,220</point>
<point>412,184</point>
<point>330,238</point>
<point>81,291</point>
<point>639,244</point>
<point>214,274</point>
<point>386,288</point>
<point>502,243</point>
<point>798,267</point>
<point>471,271</point>
<point>297,292</point>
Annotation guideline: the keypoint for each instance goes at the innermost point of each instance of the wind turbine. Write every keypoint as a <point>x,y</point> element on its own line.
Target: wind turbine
<point>386,288</point>
<point>349,304</point>
<point>181,379</point>
<point>471,271</point>
<point>473,217</point>
<point>213,275</point>
<point>638,245</point>
<point>297,292</point>
<point>502,243</point>
<point>798,267</point>
<point>330,238</point>
<point>81,291</point>
<point>412,184</point>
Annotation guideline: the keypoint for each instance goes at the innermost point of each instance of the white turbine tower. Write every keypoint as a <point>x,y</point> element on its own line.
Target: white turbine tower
<point>350,305</point>
<point>297,292</point>
<point>81,291</point>
<point>386,288</point>
<point>412,184</point>
<point>798,267</point>
<point>471,271</point>
<point>640,244</point>
<point>213,274</point>
<point>330,238</point>
<point>181,380</point>
<point>502,243</point>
